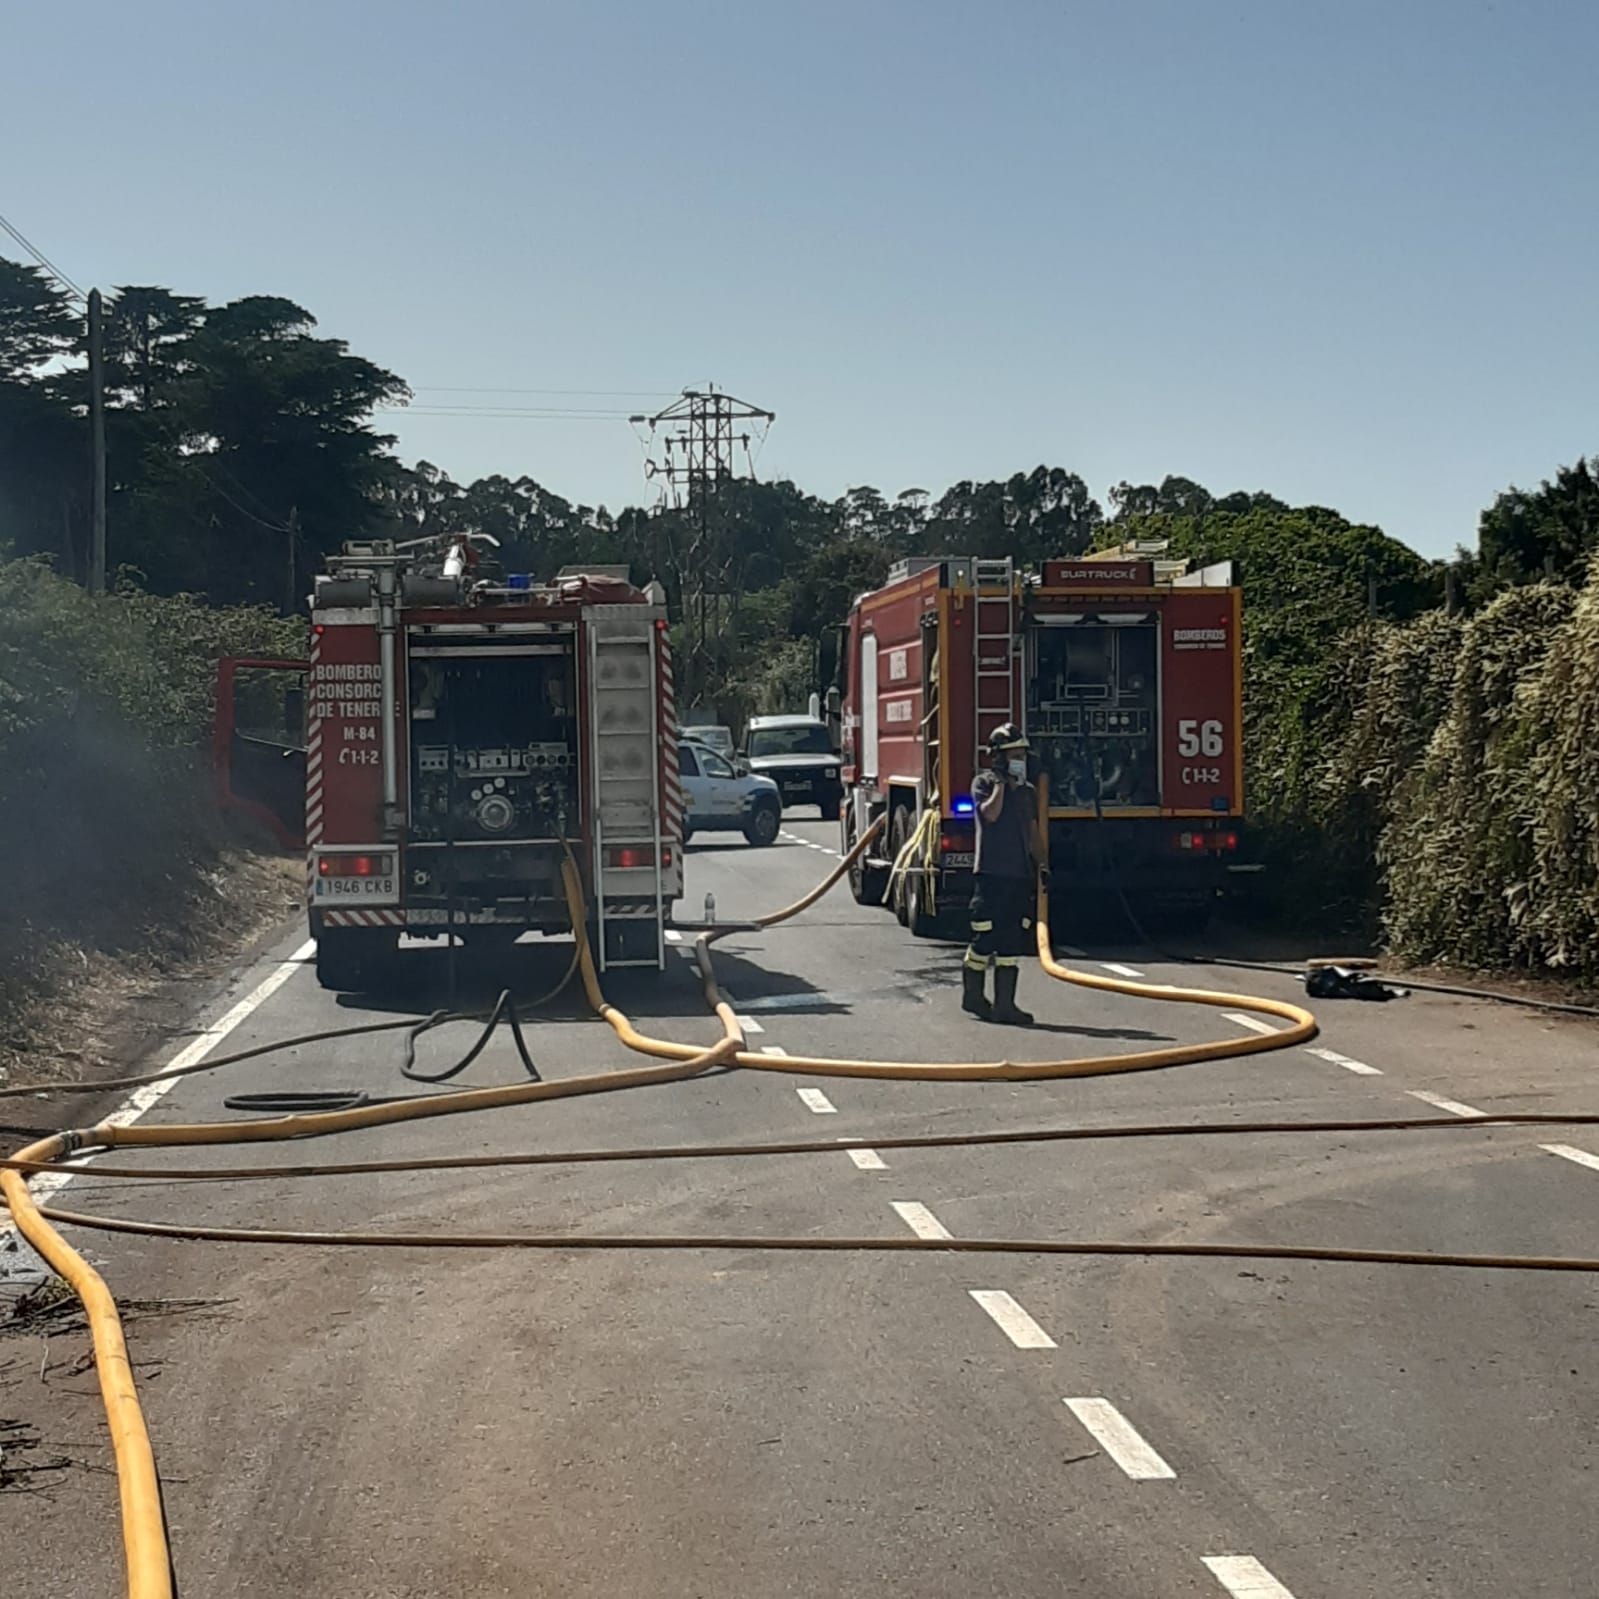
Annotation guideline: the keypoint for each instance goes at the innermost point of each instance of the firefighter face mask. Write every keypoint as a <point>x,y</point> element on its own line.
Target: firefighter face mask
<point>1017,766</point>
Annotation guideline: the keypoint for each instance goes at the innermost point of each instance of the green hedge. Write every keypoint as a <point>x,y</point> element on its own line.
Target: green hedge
<point>105,710</point>
<point>1436,781</point>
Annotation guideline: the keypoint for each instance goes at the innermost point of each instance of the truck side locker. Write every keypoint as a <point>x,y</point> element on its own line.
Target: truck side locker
<point>629,840</point>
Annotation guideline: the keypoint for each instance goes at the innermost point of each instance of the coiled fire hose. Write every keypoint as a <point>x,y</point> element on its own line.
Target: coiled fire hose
<point>148,1557</point>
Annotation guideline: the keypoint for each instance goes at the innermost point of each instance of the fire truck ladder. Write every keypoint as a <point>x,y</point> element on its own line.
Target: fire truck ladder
<point>628,841</point>
<point>994,644</point>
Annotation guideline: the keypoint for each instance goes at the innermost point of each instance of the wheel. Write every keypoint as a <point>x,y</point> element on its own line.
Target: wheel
<point>349,961</point>
<point>899,832</point>
<point>867,884</point>
<point>831,804</point>
<point>761,829</point>
<point>688,833</point>
<point>921,922</point>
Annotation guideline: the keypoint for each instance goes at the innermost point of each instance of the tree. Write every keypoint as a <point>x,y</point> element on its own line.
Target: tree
<point>1029,517</point>
<point>43,441</point>
<point>147,345</point>
<point>1550,531</point>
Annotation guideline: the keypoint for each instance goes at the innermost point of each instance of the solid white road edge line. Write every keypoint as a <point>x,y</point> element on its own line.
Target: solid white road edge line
<point>1244,1577</point>
<point>920,1219</point>
<point>1122,1441</point>
<point>1332,1055</point>
<point>1568,1152</point>
<point>1252,1022</point>
<point>814,1099</point>
<point>1438,1102</point>
<point>1011,1319</point>
<point>201,1045</point>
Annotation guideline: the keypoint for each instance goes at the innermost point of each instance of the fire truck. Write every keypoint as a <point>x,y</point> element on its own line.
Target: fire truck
<point>1125,671</point>
<point>463,737</point>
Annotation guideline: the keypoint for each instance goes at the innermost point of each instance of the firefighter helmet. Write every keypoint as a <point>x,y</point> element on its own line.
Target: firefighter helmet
<point>1008,736</point>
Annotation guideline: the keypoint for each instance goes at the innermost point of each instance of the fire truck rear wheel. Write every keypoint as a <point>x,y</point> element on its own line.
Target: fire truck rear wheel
<point>921,922</point>
<point>867,884</point>
<point>899,832</point>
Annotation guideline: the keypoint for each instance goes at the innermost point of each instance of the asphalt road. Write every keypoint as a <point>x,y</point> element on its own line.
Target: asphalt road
<point>405,1423</point>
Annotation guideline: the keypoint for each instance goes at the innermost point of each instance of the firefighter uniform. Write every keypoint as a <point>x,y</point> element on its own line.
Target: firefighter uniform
<point>1003,902</point>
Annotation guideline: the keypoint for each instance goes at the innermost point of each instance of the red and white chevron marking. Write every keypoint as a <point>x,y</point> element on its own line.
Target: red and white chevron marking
<point>666,704</point>
<point>313,770</point>
<point>363,918</point>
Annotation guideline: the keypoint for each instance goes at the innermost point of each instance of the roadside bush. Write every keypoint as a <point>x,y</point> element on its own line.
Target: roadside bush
<point>1458,851</point>
<point>105,707</point>
<point>1559,924</point>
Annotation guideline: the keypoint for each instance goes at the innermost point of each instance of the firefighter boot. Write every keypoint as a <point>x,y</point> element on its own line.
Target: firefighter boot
<point>973,1000</point>
<point>1005,979</point>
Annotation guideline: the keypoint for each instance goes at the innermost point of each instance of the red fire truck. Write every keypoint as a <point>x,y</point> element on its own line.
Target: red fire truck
<point>1125,671</point>
<point>462,734</point>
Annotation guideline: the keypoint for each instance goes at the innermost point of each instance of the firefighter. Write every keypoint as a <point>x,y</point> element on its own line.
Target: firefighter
<point>1006,869</point>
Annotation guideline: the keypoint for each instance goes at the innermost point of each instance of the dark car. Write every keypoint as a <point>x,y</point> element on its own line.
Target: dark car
<point>797,753</point>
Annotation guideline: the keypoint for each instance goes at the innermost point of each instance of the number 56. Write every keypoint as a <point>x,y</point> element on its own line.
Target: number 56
<point>1199,738</point>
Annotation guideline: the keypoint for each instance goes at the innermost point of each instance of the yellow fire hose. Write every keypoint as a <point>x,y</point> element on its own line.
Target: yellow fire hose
<point>148,1557</point>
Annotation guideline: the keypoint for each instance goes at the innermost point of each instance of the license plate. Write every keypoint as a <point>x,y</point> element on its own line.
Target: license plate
<point>796,788</point>
<point>351,889</point>
<point>958,858</point>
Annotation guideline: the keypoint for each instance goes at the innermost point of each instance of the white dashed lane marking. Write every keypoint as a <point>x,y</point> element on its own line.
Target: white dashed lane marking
<point>1357,1066</point>
<point>920,1219</point>
<point>1254,1023</point>
<point>814,1099</point>
<point>1567,1152</point>
<point>1011,1319</point>
<point>1244,1577</point>
<point>673,936</point>
<point>750,1025</point>
<point>1438,1102</point>
<point>1122,1441</point>
<point>1120,970</point>
<point>868,1160</point>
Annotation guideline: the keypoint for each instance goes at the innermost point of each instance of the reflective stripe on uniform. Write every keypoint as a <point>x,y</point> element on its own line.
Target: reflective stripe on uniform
<point>1007,960</point>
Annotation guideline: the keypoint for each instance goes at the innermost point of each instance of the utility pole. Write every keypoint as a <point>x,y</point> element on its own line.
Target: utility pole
<point>96,583</point>
<point>291,531</point>
<point>699,435</point>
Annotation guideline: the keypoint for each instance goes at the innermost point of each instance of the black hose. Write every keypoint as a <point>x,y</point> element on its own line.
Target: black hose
<point>504,1007</point>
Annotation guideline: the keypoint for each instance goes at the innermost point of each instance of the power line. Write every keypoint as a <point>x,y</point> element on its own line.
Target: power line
<point>523,413</point>
<point>453,388</point>
<point>42,259</point>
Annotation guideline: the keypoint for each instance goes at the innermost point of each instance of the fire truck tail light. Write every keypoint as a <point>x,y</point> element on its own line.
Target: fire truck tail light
<point>1227,840</point>
<point>954,837</point>
<point>354,865</point>
<point>628,856</point>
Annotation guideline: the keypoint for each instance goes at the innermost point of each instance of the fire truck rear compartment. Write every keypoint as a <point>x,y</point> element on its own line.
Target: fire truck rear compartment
<point>493,779</point>
<point>1092,709</point>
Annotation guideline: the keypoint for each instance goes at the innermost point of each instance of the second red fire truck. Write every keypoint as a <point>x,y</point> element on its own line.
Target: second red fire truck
<point>1125,671</point>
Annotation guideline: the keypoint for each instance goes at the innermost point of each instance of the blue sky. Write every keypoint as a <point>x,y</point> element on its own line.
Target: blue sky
<point>1344,252</point>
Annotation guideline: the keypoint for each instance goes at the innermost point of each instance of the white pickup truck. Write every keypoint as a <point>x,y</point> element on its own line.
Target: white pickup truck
<point>718,797</point>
